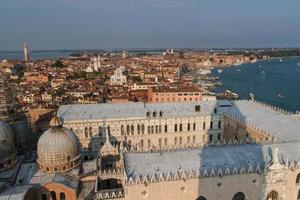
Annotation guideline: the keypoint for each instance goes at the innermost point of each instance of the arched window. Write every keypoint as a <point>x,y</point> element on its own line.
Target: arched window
<point>298,196</point>
<point>47,169</point>
<point>160,113</point>
<point>298,179</point>
<point>53,195</point>
<point>62,196</point>
<point>86,132</point>
<point>55,169</point>
<point>122,130</point>
<point>156,129</point>
<point>138,129</point>
<point>108,129</point>
<point>127,129</point>
<point>64,167</point>
<point>132,129</point>
<point>90,131</point>
<point>152,129</point>
<point>143,128</point>
<point>273,195</point>
<point>201,198</point>
<point>239,196</point>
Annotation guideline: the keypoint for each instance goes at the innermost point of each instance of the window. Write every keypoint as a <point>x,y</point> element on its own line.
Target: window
<point>159,141</point>
<point>180,140</point>
<point>219,124</point>
<point>273,195</point>
<point>142,143</point>
<point>175,128</point>
<point>152,129</point>
<point>53,195</point>
<point>132,129</point>
<point>62,196</point>
<point>201,198</point>
<point>90,131</point>
<point>154,114</point>
<point>47,169</point>
<point>204,125</point>
<point>143,128</point>
<point>180,127</point>
<point>138,129</point>
<point>188,126</point>
<point>211,125</point>
<point>166,128</point>
<point>188,139</point>
<point>156,129</point>
<point>194,139</point>
<point>127,129</point>
<point>298,196</point>
<point>160,113</point>
<point>219,136</point>
<point>194,126</point>
<point>166,141</point>
<point>298,179</point>
<point>86,132</point>
<point>149,143</point>
<point>148,114</point>
<point>239,196</point>
<point>44,197</point>
<point>149,129</point>
<point>122,130</point>
<point>159,128</point>
<point>64,167</point>
<point>175,140</point>
<point>210,138</point>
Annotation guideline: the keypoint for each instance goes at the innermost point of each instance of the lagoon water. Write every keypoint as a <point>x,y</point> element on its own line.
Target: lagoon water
<point>270,81</point>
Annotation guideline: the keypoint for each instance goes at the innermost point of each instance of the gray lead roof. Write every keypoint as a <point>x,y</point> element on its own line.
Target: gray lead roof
<point>77,112</point>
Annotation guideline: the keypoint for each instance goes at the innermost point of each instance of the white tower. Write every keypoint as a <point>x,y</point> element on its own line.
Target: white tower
<point>26,53</point>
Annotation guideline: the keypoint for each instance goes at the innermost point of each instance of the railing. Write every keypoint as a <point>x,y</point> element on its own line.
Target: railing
<point>110,194</point>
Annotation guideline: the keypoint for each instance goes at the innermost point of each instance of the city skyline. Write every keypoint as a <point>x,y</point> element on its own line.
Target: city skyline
<point>151,24</point>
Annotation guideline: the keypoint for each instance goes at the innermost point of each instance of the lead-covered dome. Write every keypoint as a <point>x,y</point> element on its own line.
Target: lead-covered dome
<point>7,147</point>
<point>58,148</point>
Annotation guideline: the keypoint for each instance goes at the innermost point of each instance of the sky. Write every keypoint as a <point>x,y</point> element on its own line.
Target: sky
<point>101,24</point>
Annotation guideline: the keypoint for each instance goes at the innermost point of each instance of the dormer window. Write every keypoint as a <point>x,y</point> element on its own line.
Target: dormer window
<point>148,114</point>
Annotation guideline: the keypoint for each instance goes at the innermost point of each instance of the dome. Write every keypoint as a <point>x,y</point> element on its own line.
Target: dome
<point>58,148</point>
<point>7,148</point>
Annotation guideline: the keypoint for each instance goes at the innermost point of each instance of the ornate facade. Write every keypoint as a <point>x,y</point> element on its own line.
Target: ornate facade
<point>256,156</point>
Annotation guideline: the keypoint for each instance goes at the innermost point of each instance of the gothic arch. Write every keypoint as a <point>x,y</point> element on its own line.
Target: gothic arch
<point>273,195</point>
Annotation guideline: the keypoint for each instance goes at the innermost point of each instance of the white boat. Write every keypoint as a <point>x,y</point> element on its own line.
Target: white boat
<point>280,60</point>
<point>251,97</point>
<point>281,96</point>
<point>259,66</point>
<point>238,70</point>
<point>263,72</point>
<point>220,71</point>
<point>298,64</point>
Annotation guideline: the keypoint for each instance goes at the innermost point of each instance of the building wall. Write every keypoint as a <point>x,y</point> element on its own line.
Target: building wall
<point>236,130</point>
<point>57,188</point>
<point>173,96</point>
<point>215,188</point>
<point>86,130</point>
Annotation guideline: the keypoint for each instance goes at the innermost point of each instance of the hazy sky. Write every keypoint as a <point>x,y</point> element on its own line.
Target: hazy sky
<point>73,24</point>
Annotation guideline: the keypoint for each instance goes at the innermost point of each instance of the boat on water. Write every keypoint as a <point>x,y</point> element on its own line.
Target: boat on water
<point>281,96</point>
<point>238,70</point>
<point>263,72</point>
<point>280,60</point>
<point>251,96</point>
<point>298,64</point>
<point>259,66</point>
<point>220,71</point>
